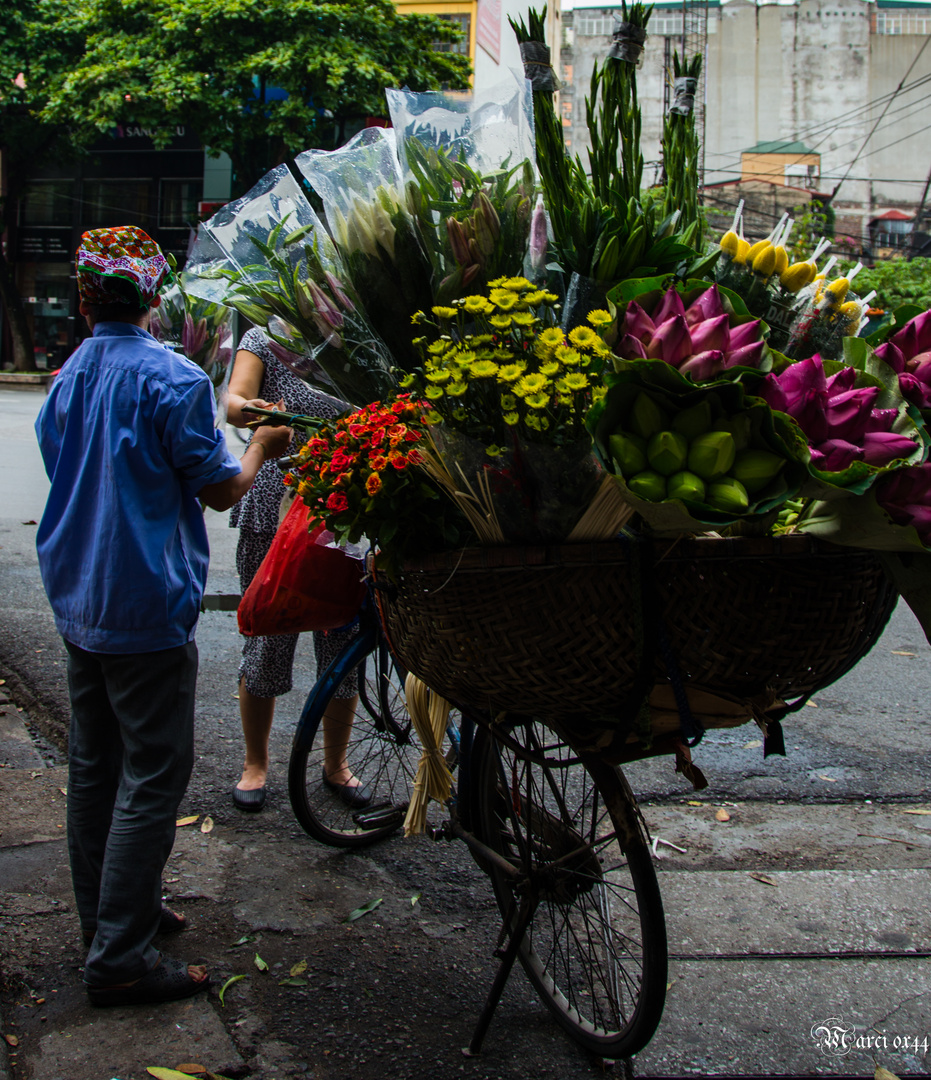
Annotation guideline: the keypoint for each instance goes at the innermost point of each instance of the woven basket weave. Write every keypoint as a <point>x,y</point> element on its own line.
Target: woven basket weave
<point>553,632</point>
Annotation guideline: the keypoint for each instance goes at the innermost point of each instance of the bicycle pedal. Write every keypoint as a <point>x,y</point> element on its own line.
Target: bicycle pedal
<point>378,817</point>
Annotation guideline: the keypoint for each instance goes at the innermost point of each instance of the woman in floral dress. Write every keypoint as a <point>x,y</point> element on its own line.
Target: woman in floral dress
<point>260,379</point>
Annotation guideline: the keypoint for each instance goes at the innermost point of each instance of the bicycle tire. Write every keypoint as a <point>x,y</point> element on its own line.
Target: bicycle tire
<point>383,751</point>
<point>595,947</point>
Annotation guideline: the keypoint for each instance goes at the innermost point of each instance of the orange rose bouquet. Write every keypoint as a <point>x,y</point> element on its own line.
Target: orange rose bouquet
<point>361,476</point>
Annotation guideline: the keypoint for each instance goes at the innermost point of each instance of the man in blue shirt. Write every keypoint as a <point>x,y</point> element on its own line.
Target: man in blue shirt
<point>130,445</point>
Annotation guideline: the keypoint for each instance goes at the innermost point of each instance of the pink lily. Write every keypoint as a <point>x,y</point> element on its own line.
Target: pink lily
<point>704,365</point>
<point>637,323</point>
<point>881,447</point>
<point>670,305</point>
<point>746,356</point>
<point>745,334</point>
<point>671,342</point>
<point>336,287</point>
<point>707,306</point>
<point>712,333</point>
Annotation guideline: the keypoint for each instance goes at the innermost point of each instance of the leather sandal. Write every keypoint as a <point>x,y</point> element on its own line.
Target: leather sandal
<point>354,796</point>
<point>169,980</point>
<point>250,801</point>
<point>169,922</point>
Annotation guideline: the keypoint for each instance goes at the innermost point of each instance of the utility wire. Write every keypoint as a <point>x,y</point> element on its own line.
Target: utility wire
<point>837,186</point>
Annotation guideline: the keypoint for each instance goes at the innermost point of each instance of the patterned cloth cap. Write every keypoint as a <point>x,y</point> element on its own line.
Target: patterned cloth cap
<point>121,252</point>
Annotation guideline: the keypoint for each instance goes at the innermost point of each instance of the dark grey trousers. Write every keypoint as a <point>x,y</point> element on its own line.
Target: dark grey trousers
<point>131,752</point>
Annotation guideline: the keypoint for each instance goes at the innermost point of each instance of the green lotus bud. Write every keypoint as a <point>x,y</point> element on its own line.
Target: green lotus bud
<point>648,485</point>
<point>756,468</point>
<point>646,417</point>
<point>711,455</point>
<point>667,452</point>
<point>739,425</point>
<point>694,421</point>
<point>629,453</point>
<point>685,485</point>
<point>728,495</point>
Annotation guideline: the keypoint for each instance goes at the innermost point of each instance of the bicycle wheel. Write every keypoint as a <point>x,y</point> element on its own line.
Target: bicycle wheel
<point>383,750</point>
<point>594,947</point>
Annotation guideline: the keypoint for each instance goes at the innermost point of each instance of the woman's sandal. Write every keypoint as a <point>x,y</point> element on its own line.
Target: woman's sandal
<point>169,980</point>
<point>169,922</point>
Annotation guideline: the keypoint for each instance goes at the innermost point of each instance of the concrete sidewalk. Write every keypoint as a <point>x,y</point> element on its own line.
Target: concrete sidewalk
<point>799,940</point>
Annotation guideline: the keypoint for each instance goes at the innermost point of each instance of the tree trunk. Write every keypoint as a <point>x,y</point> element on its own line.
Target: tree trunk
<point>23,350</point>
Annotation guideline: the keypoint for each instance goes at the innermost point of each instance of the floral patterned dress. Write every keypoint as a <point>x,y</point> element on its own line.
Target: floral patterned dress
<point>267,662</point>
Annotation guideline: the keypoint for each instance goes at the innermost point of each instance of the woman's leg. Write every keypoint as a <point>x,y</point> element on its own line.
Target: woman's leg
<point>256,714</point>
<point>337,730</point>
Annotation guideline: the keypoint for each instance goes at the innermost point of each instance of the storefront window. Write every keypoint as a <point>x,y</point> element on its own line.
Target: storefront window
<point>45,288</point>
<point>177,204</point>
<point>47,203</point>
<point>118,202</point>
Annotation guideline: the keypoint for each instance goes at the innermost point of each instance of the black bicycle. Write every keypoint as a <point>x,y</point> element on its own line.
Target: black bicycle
<point>559,834</point>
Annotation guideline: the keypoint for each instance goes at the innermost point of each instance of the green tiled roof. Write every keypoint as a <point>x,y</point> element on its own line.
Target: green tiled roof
<point>779,147</point>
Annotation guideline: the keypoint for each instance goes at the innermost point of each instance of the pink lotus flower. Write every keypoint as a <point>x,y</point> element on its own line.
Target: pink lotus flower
<point>837,418</point>
<point>905,495</point>
<point>697,340</point>
<point>908,353</point>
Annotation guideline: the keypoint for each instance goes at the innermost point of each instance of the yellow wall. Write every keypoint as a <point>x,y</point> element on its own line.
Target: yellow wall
<point>438,7</point>
<point>771,167</point>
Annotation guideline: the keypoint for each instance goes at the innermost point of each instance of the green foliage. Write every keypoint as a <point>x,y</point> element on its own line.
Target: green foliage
<point>209,64</point>
<point>812,221</point>
<point>897,282</point>
<point>680,157</point>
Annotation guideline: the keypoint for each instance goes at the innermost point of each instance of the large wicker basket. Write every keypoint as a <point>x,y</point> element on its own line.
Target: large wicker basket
<point>565,632</point>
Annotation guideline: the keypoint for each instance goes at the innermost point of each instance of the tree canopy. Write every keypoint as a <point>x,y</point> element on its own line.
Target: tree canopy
<point>261,79</point>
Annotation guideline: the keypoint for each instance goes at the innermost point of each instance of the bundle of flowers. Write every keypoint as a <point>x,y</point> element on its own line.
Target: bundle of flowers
<point>199,329</point>
<point>360,477</point>
<point>699,336</point>
<point>509,391</point>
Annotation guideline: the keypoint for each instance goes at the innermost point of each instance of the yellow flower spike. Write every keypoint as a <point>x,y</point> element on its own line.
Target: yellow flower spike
<point>782,260</point>
<point>756,248</point>
<point>730,243</point>
<point>797,276</point>
<point>743,250</point>
<point>837,290</point>
<point>764,261</point>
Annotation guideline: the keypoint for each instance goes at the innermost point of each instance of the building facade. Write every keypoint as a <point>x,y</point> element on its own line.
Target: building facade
<point>822,74</point>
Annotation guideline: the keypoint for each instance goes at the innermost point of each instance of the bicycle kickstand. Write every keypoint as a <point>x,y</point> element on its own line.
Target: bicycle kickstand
<point>501,976</point>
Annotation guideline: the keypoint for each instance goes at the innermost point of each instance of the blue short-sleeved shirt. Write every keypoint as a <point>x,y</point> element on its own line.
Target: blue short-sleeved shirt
<point>128,438</point>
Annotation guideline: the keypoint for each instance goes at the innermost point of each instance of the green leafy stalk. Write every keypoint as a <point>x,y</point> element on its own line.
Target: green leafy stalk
<point>680,158</point>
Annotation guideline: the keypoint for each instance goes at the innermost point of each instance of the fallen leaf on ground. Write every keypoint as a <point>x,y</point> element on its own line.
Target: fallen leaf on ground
<point>883,1074</point>
<point>766,880</point>
<point>694,802</point>
<point>30,522</point>
<point>753,744</point>
<point>919,811</point>
<point>830,779</point>
<point>293,980</point>
<point>244,940</point>
<point>901,652</point>
<point>190,1069</point>
<point>891,839</point>
<point>229,982</point>
<point>12,1040</point>
<point>207,825</point>
<point>364,910</point>
<point>812,704</point>
<point>260,963</point>
<point>161,1073</point>
<point>186,820</point>
<point>299,968</point>
<point>63,790</point>
<point>415,898</point>
<point>722,815</point>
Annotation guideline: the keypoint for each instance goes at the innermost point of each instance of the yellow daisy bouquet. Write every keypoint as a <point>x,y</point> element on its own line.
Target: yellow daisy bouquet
<point>508,392</point>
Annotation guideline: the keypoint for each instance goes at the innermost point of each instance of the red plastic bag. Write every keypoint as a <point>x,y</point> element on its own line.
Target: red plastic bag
<point>301,585</point>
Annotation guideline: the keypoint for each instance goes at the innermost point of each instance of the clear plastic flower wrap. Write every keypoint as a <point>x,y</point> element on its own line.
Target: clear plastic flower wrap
<point>468,166</point>
<point>287,278</point>
<point>378,240</point>
<point>202,331</point>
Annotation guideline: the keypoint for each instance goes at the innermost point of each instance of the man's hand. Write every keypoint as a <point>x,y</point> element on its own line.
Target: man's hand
<point>267,443</point>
